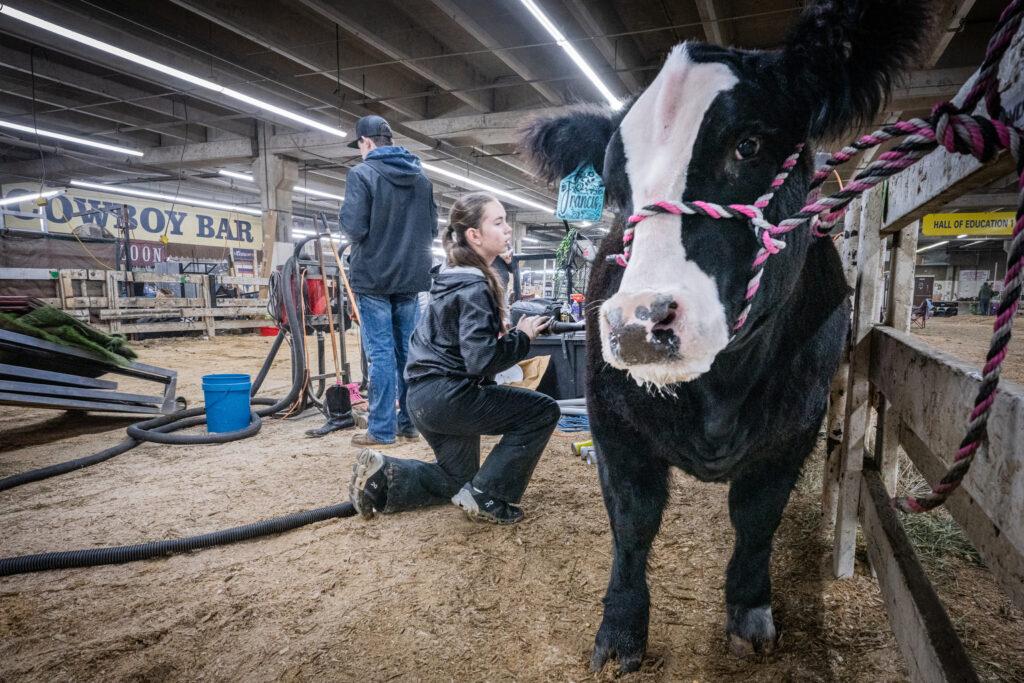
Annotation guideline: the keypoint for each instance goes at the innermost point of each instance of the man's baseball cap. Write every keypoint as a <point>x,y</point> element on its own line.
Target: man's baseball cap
<point>369,127</point>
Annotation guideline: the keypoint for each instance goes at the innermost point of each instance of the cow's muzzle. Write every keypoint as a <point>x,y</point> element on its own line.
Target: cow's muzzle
<point>661,337</point>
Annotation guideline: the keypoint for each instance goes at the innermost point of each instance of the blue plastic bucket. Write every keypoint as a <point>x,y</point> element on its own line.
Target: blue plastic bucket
<point>227,402</point>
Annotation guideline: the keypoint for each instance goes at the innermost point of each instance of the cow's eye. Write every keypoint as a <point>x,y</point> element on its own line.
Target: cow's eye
<point>747,148</point>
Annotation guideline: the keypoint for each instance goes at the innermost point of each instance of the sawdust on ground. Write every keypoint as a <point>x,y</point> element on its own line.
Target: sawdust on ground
<point>417,596</point>
<point>967,337</point>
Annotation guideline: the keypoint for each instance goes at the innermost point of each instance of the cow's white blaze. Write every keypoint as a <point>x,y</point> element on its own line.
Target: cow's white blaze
<point>658,136</point>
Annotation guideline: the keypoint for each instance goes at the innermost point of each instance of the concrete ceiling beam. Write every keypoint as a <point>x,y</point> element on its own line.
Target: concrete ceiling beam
<point>497,128</point>
<point>248,20</point>
<point>508,57</point>
<point>449,74</point>
<point>126,121</point>
<point>157,102</point>
<point>78,125</point>
<point>715,30</point>
<point>597,20</point>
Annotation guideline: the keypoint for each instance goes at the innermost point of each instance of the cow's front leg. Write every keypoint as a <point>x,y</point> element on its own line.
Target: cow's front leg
<point>756,500</point>
<point>635,488</point>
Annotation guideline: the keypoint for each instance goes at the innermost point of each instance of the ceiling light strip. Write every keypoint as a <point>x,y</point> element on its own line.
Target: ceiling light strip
<point>236,175</point>
<point>297,188</point>
<point>18,199</point>
<point>113,189</point>
<point>576,57</point>
<point>317,193</point>
<point>69,138</point>
<point>515,199</point>
<point>165,69</point>
<point>931,246</point>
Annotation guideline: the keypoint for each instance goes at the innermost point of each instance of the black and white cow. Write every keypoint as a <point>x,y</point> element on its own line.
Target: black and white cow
<point>667,386</point>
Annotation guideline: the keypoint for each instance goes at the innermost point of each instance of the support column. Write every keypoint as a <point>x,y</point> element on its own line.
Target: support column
<point>518,233</point>
<point>866,303</point>
<point>275,177</point>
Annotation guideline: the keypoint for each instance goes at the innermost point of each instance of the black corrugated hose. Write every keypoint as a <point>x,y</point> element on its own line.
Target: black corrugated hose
<point>93,557</point>
<point>159,430</point>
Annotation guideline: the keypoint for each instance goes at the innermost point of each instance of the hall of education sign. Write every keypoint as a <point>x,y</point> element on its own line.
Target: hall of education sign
<point>994,223</point>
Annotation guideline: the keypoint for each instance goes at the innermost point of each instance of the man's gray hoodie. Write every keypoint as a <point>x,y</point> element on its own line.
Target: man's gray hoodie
<point>390,216</point>
<point>458,334</point>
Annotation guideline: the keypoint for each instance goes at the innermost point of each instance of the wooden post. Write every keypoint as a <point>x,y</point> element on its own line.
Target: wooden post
<point>66,290</point>
<point>206,287</point>
<point>866,303</point>
<point>837,394</point>
<point>898,309</point>
<point>113,299</point>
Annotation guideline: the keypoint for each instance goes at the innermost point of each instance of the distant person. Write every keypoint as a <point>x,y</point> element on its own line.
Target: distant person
<point>458,347</point>
<point>390,218</point>
<point>984,298</point>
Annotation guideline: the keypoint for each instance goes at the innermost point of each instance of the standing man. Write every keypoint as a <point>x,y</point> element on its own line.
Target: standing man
<point>984,298</point>
<point>390,217</point>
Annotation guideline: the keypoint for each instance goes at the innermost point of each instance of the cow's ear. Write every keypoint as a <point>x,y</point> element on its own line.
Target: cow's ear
<point>556,145</point>
<point>842,56</point>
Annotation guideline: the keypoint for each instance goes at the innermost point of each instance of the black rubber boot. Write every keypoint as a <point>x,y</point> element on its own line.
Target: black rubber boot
<point>339,411</point>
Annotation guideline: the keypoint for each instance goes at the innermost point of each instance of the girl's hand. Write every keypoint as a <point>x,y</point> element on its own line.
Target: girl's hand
<point>532,325</point>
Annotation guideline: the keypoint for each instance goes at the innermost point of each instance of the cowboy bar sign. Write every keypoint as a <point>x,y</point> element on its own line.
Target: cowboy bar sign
<point>149,219</point>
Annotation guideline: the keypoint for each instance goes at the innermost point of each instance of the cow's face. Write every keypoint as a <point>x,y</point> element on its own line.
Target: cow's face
<point>715,125</point>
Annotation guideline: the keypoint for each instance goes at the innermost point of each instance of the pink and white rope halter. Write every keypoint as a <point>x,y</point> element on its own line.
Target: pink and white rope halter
<point>764,231</point>
<point>957,130</point>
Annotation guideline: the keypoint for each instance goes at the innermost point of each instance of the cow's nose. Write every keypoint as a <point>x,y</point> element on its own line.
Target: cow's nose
<point>641,326</point>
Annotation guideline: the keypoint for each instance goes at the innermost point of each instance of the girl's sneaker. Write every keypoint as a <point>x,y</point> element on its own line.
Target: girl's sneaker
<point>368,489</point>
<point>481,506</point>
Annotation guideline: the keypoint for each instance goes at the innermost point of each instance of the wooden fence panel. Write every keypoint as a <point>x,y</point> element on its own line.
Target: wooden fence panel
<point>929,644</point>
<point>934,393</point>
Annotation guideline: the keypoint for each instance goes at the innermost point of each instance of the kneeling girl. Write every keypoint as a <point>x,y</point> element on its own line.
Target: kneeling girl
<point>459,345</point>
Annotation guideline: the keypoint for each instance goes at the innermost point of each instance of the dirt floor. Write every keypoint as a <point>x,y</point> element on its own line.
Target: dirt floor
<point>418,596</point>
<point>967,337</point>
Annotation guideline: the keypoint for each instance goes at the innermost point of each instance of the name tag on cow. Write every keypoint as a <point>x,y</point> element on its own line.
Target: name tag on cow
<point>581,195</point>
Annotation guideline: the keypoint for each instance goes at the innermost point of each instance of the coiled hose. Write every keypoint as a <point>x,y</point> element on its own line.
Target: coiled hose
<point>158,429</point>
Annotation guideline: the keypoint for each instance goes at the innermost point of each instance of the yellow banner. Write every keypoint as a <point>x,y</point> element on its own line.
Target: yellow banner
<point>954,224</point>
<point>149,218</point>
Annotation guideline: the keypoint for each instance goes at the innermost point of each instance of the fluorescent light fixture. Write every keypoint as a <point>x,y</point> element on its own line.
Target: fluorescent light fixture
<point>438,251</point>
<point>960,237</point>
<point>303,233</point>
<point>297,188</point>
<point>164,69</point>
<point>489,188</point>
<point>585,224</point>
<point>317,193</point>
<point>531,239</point>
<point>563,43</point>
<point>237,176</point>
<point>932,246</point>
<point>18,199</point>
<point>442,220</point>
<point>113,189</point>
<point>70,138</point>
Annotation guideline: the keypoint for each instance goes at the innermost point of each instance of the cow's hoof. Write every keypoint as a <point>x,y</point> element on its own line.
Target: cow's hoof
<point>751,631</point>
<point>624,644</point>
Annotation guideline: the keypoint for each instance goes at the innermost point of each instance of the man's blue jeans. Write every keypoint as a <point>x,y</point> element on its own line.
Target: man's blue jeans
<point>387,326</point>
